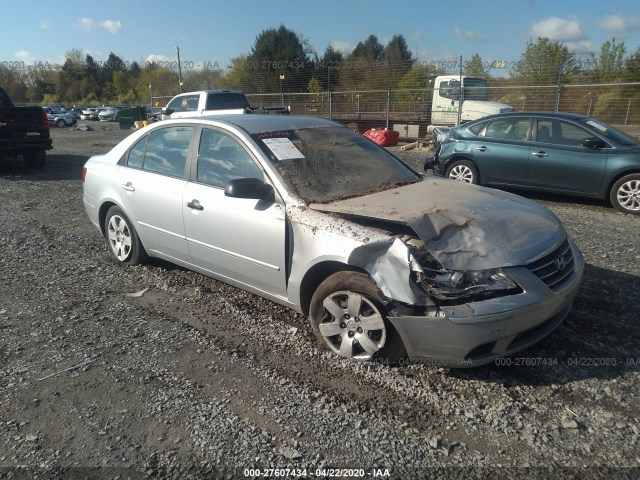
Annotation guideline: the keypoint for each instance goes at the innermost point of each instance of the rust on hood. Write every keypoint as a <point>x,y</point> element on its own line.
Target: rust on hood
<point>466,227</point>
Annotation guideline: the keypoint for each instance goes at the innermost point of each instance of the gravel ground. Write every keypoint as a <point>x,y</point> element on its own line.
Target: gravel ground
<point>196,379</point>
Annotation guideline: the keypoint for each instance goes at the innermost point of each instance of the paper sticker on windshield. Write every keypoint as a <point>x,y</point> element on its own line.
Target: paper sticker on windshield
<point>595,124</point>
<point>282,148</point>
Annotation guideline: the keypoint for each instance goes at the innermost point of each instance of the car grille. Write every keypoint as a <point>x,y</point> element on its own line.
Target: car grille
<point>556,268</point>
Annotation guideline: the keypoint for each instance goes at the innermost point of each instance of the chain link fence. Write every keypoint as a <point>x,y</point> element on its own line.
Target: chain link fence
<point>412,109</point>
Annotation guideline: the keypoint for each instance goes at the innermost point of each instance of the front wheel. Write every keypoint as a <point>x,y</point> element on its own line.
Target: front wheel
<point>348,317</point>
<point>60,123</point>
<point>463,171</point>
<point>122,238</point>
<point>625,194</point>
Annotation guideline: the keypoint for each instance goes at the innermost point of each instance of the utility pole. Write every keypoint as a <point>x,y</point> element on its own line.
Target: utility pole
<point>179,70</point>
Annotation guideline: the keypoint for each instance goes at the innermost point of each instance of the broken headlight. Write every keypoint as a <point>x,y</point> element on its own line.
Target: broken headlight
<point>468,285</point>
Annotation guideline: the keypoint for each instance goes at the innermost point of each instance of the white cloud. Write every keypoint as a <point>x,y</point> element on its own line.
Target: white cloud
<point>620,24</point>
<point>24,56</point>
<point>467,35</point>
<point>85,23</point>
<point>582,46</point>
<point>45,26</point>
<point>343,47</point>
<point>162,59</point>
<point>555,28</point>
<point>113,26</point>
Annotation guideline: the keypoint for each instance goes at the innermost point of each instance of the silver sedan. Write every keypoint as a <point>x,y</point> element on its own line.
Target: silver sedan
<point>386,263</point>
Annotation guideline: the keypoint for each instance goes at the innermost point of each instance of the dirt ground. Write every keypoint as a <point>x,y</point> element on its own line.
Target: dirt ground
<point>158,372</point>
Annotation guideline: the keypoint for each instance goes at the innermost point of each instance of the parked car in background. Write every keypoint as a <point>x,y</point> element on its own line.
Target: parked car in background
<point>59,119</point>
<point>109,114</point>
<point>309,214</point>
<point>214,102</point>
<point>23,131</point>
<point>90,114</point>
<point>76,112</point>
<point>547,152</point>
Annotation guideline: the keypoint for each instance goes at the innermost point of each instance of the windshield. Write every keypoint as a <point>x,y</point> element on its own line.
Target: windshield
<point>610,132</point>
<point>323,164</point>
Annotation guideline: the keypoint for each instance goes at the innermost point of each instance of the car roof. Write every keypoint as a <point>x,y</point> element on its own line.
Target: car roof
<point>208,91</point>
<point>559,115</point>
<point>262,123</point>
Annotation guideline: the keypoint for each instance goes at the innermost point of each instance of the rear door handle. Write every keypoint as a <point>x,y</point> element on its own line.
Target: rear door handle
<point>195,205</point>
<point>540,154</point>
<point>482,149</point>
<point>128,187</point>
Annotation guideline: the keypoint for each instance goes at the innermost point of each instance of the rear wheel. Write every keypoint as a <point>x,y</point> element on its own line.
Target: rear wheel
<point>61,123</point>
<point>35,159</point>
<point>348,317</point>
<point>463,171</point>
<point>122,238</point>
<point>625,194</point>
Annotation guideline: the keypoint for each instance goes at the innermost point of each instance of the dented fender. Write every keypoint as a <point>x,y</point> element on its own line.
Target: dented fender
<point>390,263</point>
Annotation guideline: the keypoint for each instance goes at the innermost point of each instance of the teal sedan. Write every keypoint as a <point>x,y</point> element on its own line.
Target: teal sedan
<point>546,152</point>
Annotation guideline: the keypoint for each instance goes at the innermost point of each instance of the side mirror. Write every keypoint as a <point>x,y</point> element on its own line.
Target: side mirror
<point>249,188</point>
<point>167,111</point>
<point>593,143</point>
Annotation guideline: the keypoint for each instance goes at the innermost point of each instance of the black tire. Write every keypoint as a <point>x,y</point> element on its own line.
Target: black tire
<point>363,332</point>
<point>122,239</point>
<point>61,123</point>
<point>625,194</point>
<point>35,159</point>
<point>463,171</point>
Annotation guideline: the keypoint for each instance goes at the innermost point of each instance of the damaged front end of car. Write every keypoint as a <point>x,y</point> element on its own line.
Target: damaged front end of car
<point>460,281</point>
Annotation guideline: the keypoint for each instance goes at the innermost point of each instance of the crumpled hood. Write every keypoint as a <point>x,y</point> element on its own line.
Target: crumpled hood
<point>465,227</point>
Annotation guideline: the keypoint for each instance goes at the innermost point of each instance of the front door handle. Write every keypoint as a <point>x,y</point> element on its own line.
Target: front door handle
<point>540,154</point>
<point>482,148</point>
<point>195,205</point>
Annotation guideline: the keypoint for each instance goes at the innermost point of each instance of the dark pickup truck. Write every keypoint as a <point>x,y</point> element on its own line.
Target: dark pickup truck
<point>23,131</point>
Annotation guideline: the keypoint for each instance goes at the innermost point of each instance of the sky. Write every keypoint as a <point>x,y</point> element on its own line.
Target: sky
<point>210,33</point>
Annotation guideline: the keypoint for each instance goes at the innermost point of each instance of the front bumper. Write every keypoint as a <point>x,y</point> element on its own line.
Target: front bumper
<point>477,333</point>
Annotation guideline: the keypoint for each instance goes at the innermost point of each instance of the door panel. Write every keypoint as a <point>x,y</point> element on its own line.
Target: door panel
<point>241,239</point>
<point>502,152</point>
<point>153,181</point>
<point>154,203</point>
<point>559,161</point>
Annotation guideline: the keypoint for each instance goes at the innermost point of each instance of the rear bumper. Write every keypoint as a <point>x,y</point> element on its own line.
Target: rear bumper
<point>15,146</point>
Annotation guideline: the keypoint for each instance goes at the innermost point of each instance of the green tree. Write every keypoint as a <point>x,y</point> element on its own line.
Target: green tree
<point>71,74</point>
<point>279,60</point>
<point>327,67</point>
<point>238,75</point>
<point>632,67</point>
<point>609,65</point>
<point>544,63</point>
<point>399,58</point>
<point>370,49</point>
<point>474,67</point>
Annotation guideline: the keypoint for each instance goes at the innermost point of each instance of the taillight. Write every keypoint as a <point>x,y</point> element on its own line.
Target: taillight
<point>45,121</point>
<point>84,173</point>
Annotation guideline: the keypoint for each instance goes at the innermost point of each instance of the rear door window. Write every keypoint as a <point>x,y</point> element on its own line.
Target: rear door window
<point>162,151</point>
